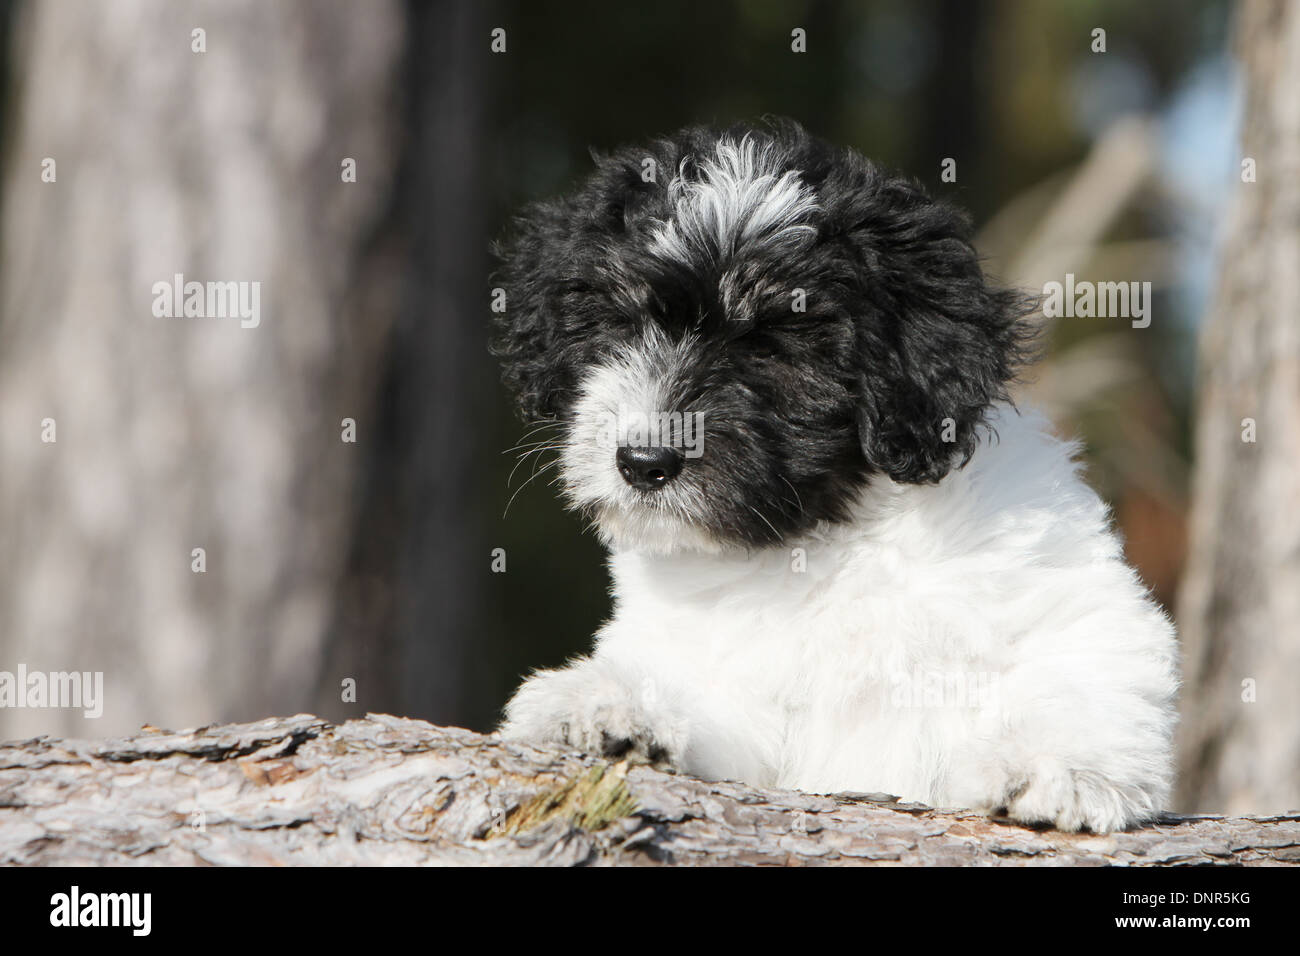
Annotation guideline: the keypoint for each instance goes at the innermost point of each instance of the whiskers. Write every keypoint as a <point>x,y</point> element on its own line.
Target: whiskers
<point>776,535</point>
<point>798,500</point>
<point>549,441</point>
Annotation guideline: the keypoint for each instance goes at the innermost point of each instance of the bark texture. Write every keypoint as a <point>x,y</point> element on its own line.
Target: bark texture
<point>1239,612</point>
<point>386,790</point>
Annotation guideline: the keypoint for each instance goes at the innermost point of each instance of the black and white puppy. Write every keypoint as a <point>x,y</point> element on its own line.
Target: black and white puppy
<point>841,559</point>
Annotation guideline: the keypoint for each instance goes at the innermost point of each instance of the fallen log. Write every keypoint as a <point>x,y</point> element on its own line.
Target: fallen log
<point>386,790</point>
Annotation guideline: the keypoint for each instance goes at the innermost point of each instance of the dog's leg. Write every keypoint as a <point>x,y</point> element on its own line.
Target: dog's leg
<point>1079,799</point>
<point>1079,767</point>
<point>596,707</point>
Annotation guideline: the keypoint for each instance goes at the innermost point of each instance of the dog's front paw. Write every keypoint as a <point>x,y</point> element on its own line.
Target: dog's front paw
<point>1074,800</point>
<point>586,707</point>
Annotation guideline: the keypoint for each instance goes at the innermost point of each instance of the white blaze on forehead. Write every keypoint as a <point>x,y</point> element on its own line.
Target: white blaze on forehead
<point>740,197</point>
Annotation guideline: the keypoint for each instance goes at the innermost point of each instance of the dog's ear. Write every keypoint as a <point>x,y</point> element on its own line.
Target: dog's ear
<point>528,291</point>
<point>937,343</point>
<point>554,258</point>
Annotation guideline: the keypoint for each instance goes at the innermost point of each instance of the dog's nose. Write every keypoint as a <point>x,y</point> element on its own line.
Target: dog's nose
<point>648,468</point>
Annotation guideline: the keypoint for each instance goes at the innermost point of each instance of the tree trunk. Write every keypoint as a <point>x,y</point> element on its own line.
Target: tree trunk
<point>411,603</point>
<point>1240,602</point>
<point>384,790</point>
<point>175,434</point>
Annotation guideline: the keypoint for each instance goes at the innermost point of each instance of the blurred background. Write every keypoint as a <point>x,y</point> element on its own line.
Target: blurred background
<point>214,140</point>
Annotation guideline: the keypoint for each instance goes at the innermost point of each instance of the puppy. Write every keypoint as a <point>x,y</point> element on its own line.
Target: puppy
<point>841,559</point>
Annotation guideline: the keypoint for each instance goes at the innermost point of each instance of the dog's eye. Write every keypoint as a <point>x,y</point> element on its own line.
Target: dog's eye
<point>574,287</point>
<point>736,328</point>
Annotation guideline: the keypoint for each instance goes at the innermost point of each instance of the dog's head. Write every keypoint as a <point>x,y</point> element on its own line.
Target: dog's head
<point>735,331</point>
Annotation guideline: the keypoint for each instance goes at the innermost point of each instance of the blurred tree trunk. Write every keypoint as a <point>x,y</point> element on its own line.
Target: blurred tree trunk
<point>1240,602</point>
<point>175,434</point>
<point>411,603</point>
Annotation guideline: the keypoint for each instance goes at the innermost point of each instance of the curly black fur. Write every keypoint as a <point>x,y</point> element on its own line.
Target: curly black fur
<point>903,338</point>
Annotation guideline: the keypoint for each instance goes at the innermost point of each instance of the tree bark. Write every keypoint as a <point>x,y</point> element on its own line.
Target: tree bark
<point>1239,610</point>
<point>385,790</point>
